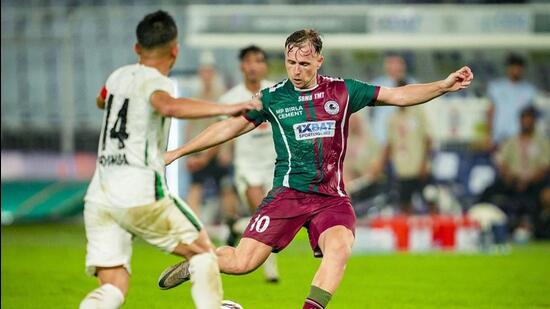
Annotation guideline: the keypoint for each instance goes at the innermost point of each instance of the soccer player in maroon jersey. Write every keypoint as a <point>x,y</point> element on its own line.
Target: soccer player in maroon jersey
<point>309,114</point>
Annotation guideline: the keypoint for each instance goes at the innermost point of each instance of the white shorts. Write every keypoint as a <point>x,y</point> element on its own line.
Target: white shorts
<point>164,224</point>
<point>245,178</point>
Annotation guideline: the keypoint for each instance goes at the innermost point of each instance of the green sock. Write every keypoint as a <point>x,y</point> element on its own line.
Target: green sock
<point>319,295</point>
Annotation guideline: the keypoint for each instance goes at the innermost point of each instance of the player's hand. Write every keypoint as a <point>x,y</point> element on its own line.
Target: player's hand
<point>170,156</point>
<point>242,108</point>
<point>460,79</point>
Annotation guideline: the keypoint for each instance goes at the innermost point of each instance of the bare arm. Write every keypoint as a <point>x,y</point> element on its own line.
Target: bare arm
<point>186,108</point>
<point>100,102</point>
<point>214,135</point>
<point>100,99</point>
<point>420,93</point>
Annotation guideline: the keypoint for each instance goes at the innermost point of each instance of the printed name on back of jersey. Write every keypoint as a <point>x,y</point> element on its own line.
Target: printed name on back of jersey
<point>314,129</point>
<point>116,159</point>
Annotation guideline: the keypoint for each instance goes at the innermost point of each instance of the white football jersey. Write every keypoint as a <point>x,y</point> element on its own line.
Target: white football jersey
<point>254,149</point>
<point>130,165</point>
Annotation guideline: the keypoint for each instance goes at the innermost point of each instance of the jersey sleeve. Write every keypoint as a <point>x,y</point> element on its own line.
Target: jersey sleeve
<point>158,84</point>
<point>103,93</point>
<point>361,94</point>
<point>257,117</point>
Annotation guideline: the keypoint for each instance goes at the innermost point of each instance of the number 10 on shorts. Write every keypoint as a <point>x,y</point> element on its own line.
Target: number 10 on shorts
<point>260,223</point>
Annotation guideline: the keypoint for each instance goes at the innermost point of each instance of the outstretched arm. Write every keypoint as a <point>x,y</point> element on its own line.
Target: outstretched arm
<point>186,108</point>
<point>215,134</point>
<point>420,93</point>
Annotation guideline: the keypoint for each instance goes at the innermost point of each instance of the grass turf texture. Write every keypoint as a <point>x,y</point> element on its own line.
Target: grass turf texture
<point>43,267</point>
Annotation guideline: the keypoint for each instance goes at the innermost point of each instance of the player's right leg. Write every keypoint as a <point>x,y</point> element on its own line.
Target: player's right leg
<point>170,225</point>
<point>109,250</point>
<point>254,196</point>
<point>268,230</point>
<point>245,258</point>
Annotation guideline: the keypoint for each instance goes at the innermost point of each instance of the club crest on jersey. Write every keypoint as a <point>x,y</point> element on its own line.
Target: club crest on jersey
<point>332,107</point>
<point>314,129</point>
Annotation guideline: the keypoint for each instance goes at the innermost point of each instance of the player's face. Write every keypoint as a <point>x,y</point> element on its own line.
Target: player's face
<point>527,123</point>
<point>515,72</point>
<point>254,67</point>
<point>302,64</point>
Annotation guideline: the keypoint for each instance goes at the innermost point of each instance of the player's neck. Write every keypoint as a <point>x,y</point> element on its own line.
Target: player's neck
<point>309,86</point>
<point>253,86</point>
<point>162,65</point>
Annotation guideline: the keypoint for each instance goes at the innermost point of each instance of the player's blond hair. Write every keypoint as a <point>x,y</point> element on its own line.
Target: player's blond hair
<point>301,37</point>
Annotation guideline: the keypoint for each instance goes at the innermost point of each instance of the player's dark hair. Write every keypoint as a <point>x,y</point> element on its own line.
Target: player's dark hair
<point>298,38</point>
<point>530,110</point>
<point>252,49</point>
<point>156,29</point>
<point>515,59</point>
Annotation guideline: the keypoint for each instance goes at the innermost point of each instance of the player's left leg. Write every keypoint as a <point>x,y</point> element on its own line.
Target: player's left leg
<point>170,225</point>
<point>336,244</point>
<point>108,254</point>
<point>331,234</point>
<point>113,287</point>
<point>206,285</point>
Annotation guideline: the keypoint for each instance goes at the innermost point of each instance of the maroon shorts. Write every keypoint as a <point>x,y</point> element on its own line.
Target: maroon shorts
<point>284,211</point>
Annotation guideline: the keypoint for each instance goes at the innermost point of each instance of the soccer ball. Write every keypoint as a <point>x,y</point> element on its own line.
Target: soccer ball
<point>227,304</point>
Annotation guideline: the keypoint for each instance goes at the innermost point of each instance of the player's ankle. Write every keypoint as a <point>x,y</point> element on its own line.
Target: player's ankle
<point>317,298</point>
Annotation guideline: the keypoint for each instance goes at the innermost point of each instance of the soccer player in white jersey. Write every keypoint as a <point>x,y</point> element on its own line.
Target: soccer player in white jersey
<point>254,153</point>
<point>128,194</point>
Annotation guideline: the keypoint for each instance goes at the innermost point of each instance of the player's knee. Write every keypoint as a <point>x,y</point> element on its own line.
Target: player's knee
<point>340,253</point>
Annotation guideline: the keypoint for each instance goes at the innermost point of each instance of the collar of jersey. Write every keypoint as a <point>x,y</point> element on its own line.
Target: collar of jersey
<point>304,90</point>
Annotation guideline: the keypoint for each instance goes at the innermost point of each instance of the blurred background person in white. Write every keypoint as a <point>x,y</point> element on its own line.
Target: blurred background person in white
<point>395,70</point>
<point>363,167</point>
<point>409,151</point>
<point>210,168</point>
<point>509,95</point>
<point>254,154</point>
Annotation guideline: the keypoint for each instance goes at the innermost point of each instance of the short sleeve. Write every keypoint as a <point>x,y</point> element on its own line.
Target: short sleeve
<point>361,94</point>
<point>160,83</point>
<point>257,117</point>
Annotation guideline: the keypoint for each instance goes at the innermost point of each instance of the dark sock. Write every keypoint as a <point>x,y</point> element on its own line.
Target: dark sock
<point>317,298</point>
<point>232,238</point>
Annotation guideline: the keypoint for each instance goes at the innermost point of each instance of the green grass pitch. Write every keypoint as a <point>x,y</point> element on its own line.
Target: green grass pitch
<point>43,267</point>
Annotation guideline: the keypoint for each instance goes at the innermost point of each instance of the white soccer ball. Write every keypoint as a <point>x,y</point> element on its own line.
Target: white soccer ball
<point>227,304</point>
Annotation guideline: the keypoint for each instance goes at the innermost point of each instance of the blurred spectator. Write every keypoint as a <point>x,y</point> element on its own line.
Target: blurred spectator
<point>408,149</point>
<point>363,155</point>
<point>523,164</point>
<point>509,95</point>
<point>395,70</point>
<point>212,165</point>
